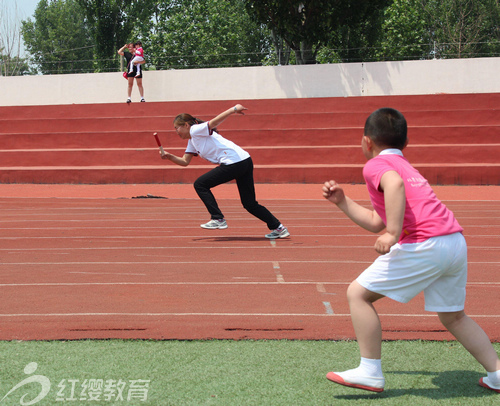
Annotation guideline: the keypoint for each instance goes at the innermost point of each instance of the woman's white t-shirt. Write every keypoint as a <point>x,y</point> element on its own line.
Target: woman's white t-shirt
<point>213,147</point>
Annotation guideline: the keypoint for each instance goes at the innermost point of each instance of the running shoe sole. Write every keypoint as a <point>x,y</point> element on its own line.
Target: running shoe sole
<point>332,376</point>
<point>485,385</point>
<point>220,227</point>
<point>274,236</point>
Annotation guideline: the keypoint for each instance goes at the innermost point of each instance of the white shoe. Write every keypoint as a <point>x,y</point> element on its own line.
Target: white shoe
<point>486,383</point>
<point>280,232</point>
<point>215,224</point>
<point>352,379</point>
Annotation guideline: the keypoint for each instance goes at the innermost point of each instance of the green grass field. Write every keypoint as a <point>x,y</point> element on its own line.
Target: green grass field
<point>235,373</point>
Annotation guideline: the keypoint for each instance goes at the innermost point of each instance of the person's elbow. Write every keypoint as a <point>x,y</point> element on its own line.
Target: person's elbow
<point>377,227</point>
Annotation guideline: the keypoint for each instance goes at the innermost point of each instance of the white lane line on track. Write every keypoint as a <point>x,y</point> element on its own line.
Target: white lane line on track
<point>177,237</point>
<point>278,282</point>
<point>279,278</point>
<point>168,283</point>
<point>201,262</point>
<point>221,314</point>
<point>210,247</point>
<point>107,273</point>
<point>328,308</point>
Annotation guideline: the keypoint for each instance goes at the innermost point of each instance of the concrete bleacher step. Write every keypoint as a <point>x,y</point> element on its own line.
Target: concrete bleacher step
<point>280,121</point>
<point>296,155</point>
<point>244,137</point>
<point>442,174</point>
<point>441,102</point>
<point>454,139</point>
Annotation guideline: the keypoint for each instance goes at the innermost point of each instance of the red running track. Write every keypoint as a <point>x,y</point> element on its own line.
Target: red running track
<point>92,262</point>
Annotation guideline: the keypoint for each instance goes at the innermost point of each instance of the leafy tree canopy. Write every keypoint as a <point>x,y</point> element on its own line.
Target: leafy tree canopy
<point>202,33</point>
<point>420,29</point>
<point>111,23</point>
<point>58,38</point>
<point>307,25</point>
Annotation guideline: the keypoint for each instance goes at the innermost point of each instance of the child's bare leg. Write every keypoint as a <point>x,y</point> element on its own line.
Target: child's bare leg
<point>368,375</point>
<point>365,320</point>
<point>472,337</point>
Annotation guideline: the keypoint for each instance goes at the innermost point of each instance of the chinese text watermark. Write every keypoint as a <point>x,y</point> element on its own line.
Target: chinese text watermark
<point>97,390</point>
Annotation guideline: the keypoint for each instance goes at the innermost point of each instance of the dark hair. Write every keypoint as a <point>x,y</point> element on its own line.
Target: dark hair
<point>184,118</point>
<point>138,43</point>
<point>387,128</point>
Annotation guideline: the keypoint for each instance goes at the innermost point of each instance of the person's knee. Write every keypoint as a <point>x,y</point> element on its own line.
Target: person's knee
<point>199,185</point>
<point>250,206</point>
<point>449,319</point>
<point>356,292</point>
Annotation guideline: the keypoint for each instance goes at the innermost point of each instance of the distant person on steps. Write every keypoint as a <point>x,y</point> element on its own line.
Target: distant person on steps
<point>129,55</point>
<point>138,57</point>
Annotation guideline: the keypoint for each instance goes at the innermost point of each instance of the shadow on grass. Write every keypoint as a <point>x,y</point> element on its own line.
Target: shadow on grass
<point>448,385</point>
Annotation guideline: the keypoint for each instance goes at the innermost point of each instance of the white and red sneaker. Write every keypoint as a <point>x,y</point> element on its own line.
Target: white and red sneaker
<point>353,380</point>
<point>486,383</point>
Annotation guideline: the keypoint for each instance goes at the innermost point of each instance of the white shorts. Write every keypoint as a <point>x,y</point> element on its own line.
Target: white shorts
<point>437,266</point>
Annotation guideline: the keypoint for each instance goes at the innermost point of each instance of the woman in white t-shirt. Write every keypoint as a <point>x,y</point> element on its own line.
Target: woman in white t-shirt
<point>234,163</point>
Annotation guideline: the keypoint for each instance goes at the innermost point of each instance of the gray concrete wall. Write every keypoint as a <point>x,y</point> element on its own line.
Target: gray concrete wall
<point>479,75</point>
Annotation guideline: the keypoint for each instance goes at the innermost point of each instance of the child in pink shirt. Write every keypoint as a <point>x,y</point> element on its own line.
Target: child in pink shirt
<point>138,57</point>
<point>424,216</point>
<point>422,249</point>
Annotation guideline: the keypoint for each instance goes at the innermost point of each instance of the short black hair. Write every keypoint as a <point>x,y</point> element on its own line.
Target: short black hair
<point>387,128</point>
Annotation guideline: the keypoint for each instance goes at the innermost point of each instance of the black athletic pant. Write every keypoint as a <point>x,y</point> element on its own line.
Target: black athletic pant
<point>242,172</point>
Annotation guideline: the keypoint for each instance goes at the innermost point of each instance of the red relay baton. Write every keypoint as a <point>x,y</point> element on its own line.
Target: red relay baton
<point>159,143</point>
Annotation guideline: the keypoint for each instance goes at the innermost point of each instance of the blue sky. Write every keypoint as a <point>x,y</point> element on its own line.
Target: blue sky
<point>23,9</point>
<point>26,8</point>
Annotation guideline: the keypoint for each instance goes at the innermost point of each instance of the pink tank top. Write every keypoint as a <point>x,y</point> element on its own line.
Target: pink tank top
<point>425,215</point>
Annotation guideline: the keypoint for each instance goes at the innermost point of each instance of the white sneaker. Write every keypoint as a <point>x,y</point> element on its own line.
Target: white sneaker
<point>353,380</point>
<point>486,383</point>
<point>215,224</point>
<point>280,232</point>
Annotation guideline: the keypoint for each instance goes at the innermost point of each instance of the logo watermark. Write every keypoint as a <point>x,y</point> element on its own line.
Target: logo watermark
<point>68,390</point>
<point>105,390</point>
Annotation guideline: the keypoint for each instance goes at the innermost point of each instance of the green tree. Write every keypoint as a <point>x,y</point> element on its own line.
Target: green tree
<point>11,63</point>
<point>13,66</point>
<point>308,25</point>
<point>406,31</point>
<point>464,27</point>
<point>202,33</point>
<point>420,29</point>
<point>356,39</point>
<point>111,23</point>
<point>57,38</point>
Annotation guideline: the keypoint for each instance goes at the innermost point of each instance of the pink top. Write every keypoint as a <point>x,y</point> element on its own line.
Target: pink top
<point>139,52</point>
<point>425,215</point>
